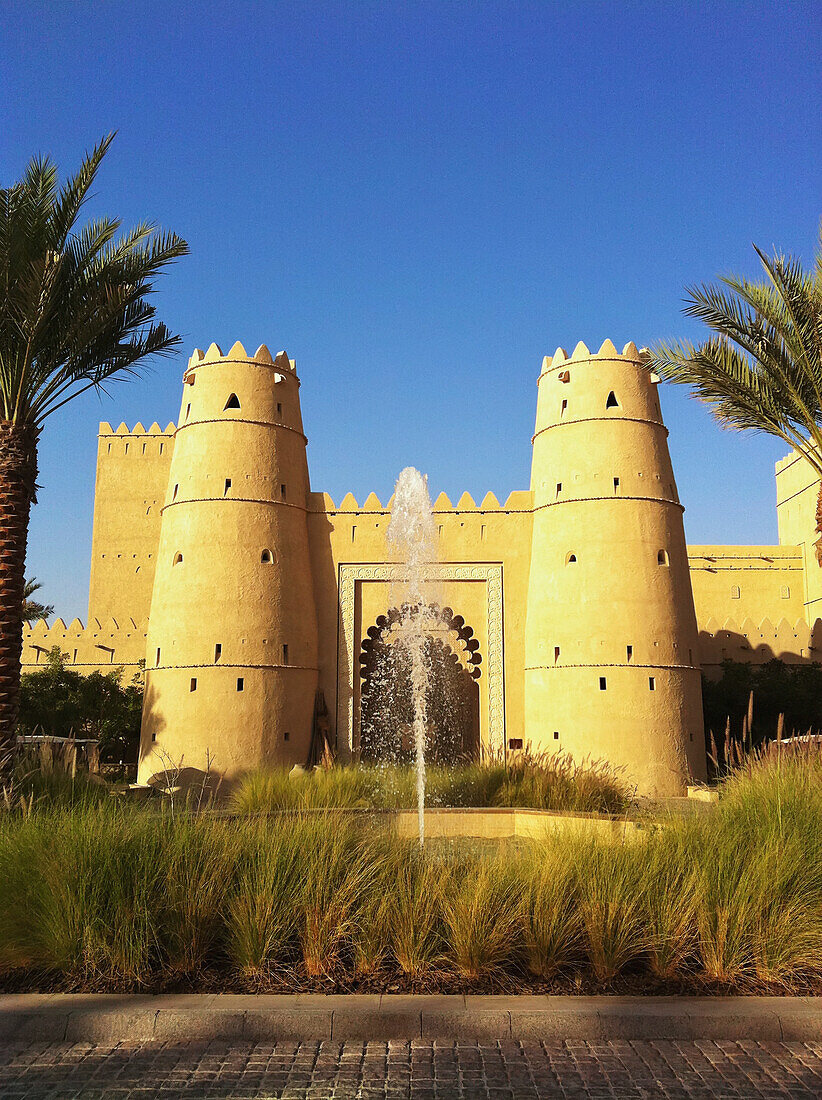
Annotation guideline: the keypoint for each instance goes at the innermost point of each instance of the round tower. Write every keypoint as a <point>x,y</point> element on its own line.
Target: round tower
<point>231,658</point>
<point>611,640</point>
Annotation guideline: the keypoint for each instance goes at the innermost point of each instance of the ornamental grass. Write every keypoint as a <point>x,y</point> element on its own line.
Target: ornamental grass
<point>112,896</point>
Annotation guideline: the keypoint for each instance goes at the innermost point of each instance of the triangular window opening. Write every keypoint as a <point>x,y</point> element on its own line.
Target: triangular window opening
<point>232,403</point>
<point>612,402</point>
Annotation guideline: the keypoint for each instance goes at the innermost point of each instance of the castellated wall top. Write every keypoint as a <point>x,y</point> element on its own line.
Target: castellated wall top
<point>520,500</point>
<point>238,354</point>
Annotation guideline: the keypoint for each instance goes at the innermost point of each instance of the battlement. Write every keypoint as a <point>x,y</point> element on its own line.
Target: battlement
<point>238,354</point>
<point>582,352</point>
<point>517,501</point>
<point>758,642</point>
<point>105,429</point>
<point>100,645</point>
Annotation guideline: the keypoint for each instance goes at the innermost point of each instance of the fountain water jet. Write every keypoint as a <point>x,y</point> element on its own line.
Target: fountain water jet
<point>412,540</point>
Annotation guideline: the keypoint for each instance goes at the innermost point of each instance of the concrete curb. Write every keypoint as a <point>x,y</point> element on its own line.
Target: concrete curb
<point>114,1018</point>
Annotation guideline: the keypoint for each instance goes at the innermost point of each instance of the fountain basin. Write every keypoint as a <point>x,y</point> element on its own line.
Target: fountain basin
<point>507,823</point>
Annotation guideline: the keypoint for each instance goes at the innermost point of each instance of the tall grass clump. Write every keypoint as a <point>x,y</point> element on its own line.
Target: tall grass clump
<point>611,885</point>
<point>415,909</point>
<point>669,901</point>
<point>335,874</point>
<point>481,916</point>
<point>551,920</point>
<point>262,910</point>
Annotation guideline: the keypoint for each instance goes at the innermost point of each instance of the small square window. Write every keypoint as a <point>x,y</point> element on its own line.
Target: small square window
<point>515,743</point>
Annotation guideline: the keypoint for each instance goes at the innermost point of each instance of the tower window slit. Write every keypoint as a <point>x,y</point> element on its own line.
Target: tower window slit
<point>662,557</point>
<point>286,736</point>
<point>612,402</point>
<point>652,683</point>
<point>193,684</point>
<point>616,484</point>
<point>282,492</point>
<point>279,408</point>
<point>174,494</point>
<point>157,659</point>
<point>559,488</point>
<point>188,410</point>
<point>563,408</point>
<point>218,652</point>
<point>240,683</point>
<point>227,486</point>
<point>603,683</point>
<point>630,653</point>
<point>285,654</point>
<point>556,735</point>
<point>556,653</point>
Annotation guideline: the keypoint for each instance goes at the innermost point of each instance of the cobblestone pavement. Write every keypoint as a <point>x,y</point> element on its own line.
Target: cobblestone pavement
<point>418,1069</point>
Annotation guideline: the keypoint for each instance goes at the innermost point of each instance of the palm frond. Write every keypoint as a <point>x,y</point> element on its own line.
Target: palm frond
<point>75,302</point>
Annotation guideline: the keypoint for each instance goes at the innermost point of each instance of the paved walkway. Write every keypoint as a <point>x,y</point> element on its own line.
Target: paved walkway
<point>418,1069</point>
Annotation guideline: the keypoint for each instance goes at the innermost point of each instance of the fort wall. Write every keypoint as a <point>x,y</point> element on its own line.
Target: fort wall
<point>132,475</point>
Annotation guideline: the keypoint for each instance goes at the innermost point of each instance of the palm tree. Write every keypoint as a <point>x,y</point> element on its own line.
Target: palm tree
<point>73,315</point>
<point>34,612</point>
<point>761,368</point>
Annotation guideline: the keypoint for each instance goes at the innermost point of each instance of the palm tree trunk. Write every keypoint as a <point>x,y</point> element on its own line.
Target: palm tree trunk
<point>18,476</point>
<point>818,543</point>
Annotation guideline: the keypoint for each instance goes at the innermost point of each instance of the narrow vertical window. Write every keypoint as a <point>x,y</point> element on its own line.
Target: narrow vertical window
<point>218,652</point>
<point>603,684</point>
<point>652,683</point>
<point>556,735</point>
<point>126,448</point>
<point>279,408</point>
<point>282,492</point>
<point>556,653</point>
<point>227,486</point>
<point>286,736</point>
<point>482,532</point>
<point>559,488</point>
<point>563,409</point>
<point>193,684</point>
<point>173,495</point>
<point>285,654</point>
<point>240,683</point>
<point>616,485</point>
<point>188,410</point>
<point>630,653</point>
<point>157,658</point>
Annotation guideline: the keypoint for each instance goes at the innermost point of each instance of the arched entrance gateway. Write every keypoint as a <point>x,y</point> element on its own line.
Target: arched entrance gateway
<point>386,707</point>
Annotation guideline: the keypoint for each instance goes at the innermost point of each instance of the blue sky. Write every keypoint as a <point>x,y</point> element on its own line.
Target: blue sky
<point>418,201</point>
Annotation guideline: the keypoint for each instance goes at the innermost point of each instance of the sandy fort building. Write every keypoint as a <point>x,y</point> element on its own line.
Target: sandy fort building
<point>574,617</point>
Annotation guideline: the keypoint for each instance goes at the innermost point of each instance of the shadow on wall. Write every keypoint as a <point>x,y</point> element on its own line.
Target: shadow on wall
<point>758,643</point>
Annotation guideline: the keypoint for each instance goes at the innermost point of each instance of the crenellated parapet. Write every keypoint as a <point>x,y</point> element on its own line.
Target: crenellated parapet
<point>517,501</point>
<point>101,646</point>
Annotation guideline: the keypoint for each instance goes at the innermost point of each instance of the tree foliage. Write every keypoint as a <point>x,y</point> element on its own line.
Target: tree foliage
<point>58,700</point>
<point>778,688</point>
